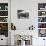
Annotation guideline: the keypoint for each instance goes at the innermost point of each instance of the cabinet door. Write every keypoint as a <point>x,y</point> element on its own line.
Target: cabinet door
<point>41,41</point>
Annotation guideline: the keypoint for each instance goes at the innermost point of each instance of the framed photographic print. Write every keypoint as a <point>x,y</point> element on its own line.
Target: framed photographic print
<point>22,14</point>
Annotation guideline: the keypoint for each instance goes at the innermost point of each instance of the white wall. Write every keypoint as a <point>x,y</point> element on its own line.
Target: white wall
<point>23,24</point>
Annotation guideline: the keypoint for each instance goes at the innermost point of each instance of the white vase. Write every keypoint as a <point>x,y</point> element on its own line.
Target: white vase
<point>22,43</point>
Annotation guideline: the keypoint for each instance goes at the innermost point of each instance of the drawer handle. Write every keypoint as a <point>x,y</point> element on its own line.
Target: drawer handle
<point>43,39</point>
<point>1,39</point>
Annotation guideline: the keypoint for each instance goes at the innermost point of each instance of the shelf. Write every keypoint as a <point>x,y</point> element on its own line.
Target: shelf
<point>42,16</point>
<point>41,22</point>
<point>3,10</point>
<point>42,19</point>
<point>41,28</point>
<point>3,16</point>
<point>3,22</point>
<point>41,10</point>
<point>4,19</point>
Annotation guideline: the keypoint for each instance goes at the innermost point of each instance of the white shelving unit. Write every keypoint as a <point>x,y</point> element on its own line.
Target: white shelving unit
<point>42,19</point>
<point>4,17</point>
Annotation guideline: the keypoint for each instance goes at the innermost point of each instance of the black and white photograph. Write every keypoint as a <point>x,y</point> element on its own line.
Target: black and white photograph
<point>22,14</point>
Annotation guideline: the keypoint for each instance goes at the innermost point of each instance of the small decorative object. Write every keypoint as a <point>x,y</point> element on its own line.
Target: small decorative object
<point>23,40</point>
<point>43,39</point>
<point>3,13</point>
<point>41,25</point>
<point>0,7</point>
<point>31,27</point>
<point>43,13</point>
<point>42,19</point>
<point>39,19</point>
<point>6,7</point>
<point>3,19</point>
<point>45,7</point>
<point>4,29</point>
<point>42,32</point>
<point>41,8</point>
<point>13,27</point>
